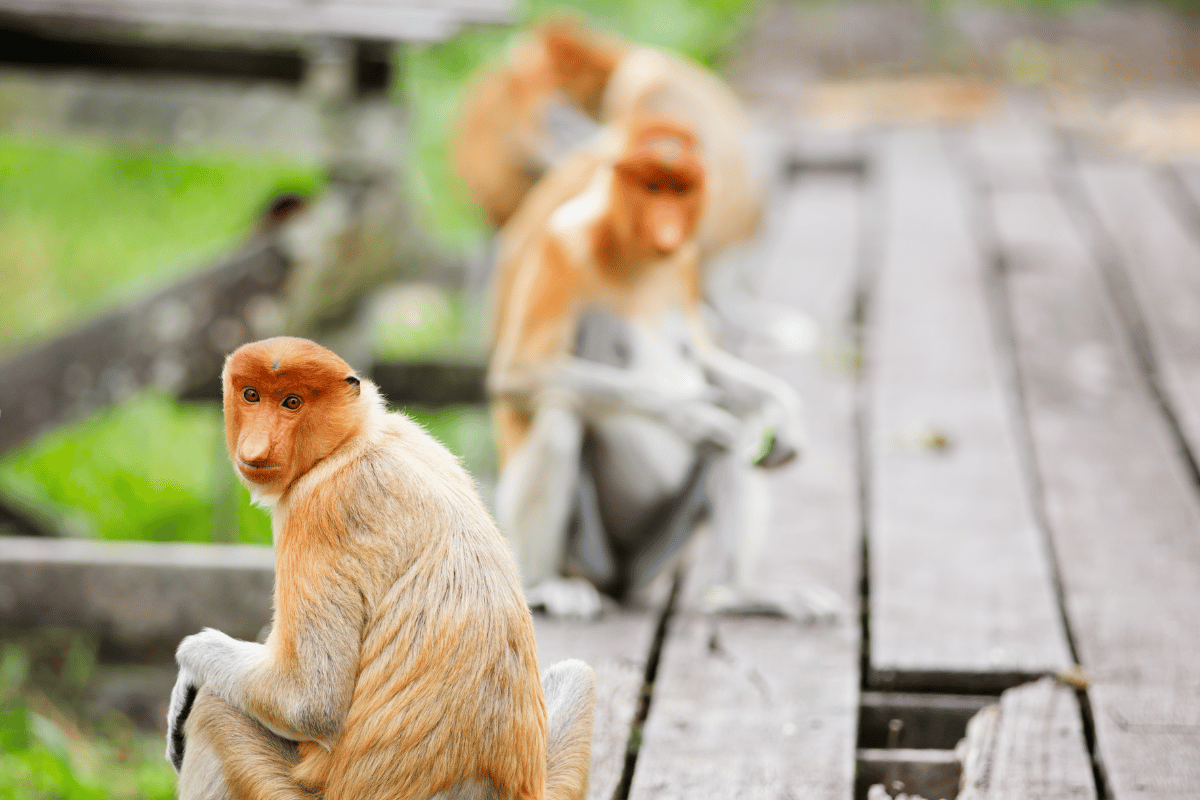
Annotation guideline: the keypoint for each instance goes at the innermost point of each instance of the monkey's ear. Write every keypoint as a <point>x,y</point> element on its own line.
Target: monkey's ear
<point>354,383</point>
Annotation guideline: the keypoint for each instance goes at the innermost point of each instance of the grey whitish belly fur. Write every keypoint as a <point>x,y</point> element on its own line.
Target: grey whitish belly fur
<point>639,462</point>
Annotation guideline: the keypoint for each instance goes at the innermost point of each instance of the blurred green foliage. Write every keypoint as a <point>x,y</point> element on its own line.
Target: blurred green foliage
<point>84,225</point>
<point>148,468</point>
<point>151,468</point>
<point>54,744</point>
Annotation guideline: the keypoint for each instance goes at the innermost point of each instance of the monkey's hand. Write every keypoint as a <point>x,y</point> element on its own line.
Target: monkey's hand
<point>779,446</point>
<point>247,676</point>
<point>182,697</point>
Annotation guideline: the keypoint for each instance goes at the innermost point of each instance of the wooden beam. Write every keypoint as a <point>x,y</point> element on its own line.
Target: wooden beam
<point>961,592</point>
<point>172,341</point>
<point>264,21</point>
<point>26,44</point>
<point>425,382</point>
<point>139,598</point>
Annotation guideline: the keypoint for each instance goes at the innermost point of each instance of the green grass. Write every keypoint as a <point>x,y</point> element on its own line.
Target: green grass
<point>86,225</point>
<point>54,745</point>
<point>149,468</point>
<point>154,469</point>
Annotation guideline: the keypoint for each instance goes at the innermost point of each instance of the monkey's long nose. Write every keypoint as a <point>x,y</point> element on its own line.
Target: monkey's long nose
<point>254,448</point>
<point>666,227</point>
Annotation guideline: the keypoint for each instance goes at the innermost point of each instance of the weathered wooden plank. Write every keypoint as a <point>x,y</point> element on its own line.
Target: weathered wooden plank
<point>960,589</point>
<point>211,19</point>
<point>1150,739</point>
<point>139,598</point>
<point>760,707</point>
<point>616,647</point>
<point>1160,256</point>
<point>1119,501</point>
<point>1161,259</point>
<point>1029,745</point>
<point>1010,152</point>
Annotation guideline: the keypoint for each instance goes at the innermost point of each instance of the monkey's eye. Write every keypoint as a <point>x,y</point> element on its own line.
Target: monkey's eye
<point>292,402</point>
<point>251,395</point>
<point>654,187</point>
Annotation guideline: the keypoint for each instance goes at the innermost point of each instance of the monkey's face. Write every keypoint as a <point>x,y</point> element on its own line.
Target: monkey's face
<point>657,193</point>
<point>288,404</point>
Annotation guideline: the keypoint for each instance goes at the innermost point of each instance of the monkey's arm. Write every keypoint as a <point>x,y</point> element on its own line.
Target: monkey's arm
<point>299,684</point>
<point>755,388</point>
<point>594,389</point>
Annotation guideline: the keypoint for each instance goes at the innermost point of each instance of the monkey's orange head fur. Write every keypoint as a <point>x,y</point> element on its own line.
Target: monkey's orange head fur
<point>288,404</point>
<point>658,193</point>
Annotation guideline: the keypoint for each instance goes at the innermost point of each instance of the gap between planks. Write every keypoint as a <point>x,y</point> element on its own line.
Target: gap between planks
<point>1118,497</point>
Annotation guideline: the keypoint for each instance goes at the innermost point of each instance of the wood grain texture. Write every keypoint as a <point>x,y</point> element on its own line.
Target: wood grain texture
<point>616,647</point>
<point>960,585</point>
<point>1159,254</point>
<point>368,19</point>
<point>1029,745</point>
<point>1150,738</point>
<point>1119,501</point>
<point>762,707</point>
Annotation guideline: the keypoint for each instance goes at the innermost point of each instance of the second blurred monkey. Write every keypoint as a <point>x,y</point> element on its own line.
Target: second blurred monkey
<point>607,386</point>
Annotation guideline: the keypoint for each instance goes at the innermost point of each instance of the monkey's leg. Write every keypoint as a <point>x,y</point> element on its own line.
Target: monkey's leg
<point>536,490</point>
<point>741,507</point>
<point>228,755</point>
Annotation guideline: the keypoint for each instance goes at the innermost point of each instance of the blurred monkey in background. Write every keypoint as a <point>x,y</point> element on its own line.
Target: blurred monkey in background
<point>556,88</point>
<point>401,661</point>
<point>526,113</point>
<point>619,422</point>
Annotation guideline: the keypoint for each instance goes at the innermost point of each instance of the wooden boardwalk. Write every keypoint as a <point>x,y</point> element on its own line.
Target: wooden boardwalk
<point>1001,485</point>
<point>1005,419</point>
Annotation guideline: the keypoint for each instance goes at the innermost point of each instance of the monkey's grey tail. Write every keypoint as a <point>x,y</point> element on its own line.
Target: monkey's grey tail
<point>570,689</point>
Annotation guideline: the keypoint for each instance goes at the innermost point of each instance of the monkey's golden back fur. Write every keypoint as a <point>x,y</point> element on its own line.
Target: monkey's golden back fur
<point>447,688</point>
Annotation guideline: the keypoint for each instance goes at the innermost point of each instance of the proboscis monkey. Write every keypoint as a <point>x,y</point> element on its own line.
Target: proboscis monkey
<point>554,89</point>
<point>527,112</point>
<point>620,258</point>
<point>401,661</point>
